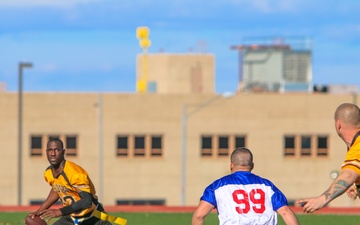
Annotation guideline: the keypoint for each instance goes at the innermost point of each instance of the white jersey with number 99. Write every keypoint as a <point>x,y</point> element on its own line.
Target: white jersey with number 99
<point>243,198</point>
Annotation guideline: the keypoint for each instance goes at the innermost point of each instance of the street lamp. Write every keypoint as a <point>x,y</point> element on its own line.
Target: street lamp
<point>185,116</point>
<point>22,65</point>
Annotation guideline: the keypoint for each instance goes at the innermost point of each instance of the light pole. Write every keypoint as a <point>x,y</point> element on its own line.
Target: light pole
<point>101,149</point>
<point>22,65</point>
<point>185,116</point>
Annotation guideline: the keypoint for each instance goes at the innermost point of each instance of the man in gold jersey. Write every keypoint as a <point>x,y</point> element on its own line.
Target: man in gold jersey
<point>347,125</point>
<point>72,184</point>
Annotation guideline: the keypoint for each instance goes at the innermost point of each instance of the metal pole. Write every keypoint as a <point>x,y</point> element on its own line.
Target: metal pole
<point>20,135</point>
<point>20,115</point>
<point>185,116</point>
<point>183,156</point>
<point>101,152</point>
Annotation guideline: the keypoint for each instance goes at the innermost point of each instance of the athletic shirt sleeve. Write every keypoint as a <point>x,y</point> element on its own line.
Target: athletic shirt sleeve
<point>278,199</point>
<point>352,158</point>
<point>81,182</point>
<point>209,195</point>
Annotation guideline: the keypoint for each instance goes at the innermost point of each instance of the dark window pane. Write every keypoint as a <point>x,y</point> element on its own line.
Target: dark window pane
<point>36,142</point>
<point>289,142</point>
<point>239,142</point>
<point>322,142</point>
<point>223,142</point>
<point>156,142</point>
<point>71,142</point>
<point>140,142</point>
<point>122,142</point>
<point>305,142</point>
<point>206,142</point>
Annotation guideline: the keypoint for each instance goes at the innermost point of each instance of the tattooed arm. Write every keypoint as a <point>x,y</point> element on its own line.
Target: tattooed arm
<point>346,178</point>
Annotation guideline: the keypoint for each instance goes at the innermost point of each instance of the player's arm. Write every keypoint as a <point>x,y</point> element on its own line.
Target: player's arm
<point>50,200</point>
<point>288,215</point>
<point>84,203</point>
<point>352,192</point>
<point>346,178</point>
<point>201,212</point>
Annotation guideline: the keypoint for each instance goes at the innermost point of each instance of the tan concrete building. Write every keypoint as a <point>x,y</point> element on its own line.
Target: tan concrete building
<point>132,144</point>
<point>177,73</point>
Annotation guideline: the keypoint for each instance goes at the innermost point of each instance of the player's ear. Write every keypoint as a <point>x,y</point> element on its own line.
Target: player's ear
<point>252,166</point>
<point>338,124</point>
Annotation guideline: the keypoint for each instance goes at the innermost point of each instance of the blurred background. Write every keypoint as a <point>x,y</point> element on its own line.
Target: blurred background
<point>90,45</point>
<point>152,97</point>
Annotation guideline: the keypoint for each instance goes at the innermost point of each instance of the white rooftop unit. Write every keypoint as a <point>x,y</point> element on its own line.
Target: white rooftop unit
<point>276,67</point>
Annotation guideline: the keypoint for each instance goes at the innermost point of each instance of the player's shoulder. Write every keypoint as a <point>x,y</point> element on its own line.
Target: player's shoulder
<point>251,178</point>
<point>48,169</point>
<point>70,166</point>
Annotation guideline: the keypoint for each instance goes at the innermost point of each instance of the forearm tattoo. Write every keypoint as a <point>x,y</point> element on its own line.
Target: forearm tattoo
<point>339,188</point>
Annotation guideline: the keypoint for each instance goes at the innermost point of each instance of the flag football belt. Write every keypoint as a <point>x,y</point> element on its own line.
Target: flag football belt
<point>113,219</point>
<point>102,216</point>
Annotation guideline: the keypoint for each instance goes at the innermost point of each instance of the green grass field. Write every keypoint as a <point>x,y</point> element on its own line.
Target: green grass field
<point>17,218</point>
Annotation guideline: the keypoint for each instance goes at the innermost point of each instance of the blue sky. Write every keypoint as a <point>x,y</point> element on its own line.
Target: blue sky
<point>91,45</point>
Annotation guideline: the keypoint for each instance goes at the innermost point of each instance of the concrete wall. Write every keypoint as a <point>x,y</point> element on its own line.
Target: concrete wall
<point>263,118</point>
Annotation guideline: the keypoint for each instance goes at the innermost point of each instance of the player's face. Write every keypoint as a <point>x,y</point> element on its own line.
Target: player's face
<point>54,153</point>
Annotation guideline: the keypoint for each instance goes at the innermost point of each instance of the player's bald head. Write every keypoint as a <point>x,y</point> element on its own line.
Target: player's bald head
<point>242,157</point>
<point>348,113</point>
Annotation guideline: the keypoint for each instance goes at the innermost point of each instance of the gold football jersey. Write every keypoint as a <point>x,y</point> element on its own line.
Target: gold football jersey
<point>352,159</point>
<point>69,183</point>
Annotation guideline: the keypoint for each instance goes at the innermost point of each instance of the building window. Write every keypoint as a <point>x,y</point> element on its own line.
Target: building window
<point>36,146</point>
<point>139,149</point>
<point>139,145</point>
<point>289,145</point>
<point>240,141</point>
<point>122,146</point>
<point>220,145</point>
<point>156,146</point>
<point>71,145</point>
<point>38,142</point>
<point>306,145</point>
<point>322,146</point>
<point>223,146</point>
<point>206,146</point>
<point>152,87</point>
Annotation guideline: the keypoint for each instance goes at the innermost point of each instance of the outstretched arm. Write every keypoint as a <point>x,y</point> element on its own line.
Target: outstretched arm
<point>201,212</point>
<point>288,215</point>
<point>50,200</point>
<point>346,178</point>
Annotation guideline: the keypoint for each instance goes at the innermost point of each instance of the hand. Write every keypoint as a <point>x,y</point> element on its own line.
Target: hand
<point>48,214</point>
<point>310,205</point>
<point>352,192</point>
<point>31,215</point>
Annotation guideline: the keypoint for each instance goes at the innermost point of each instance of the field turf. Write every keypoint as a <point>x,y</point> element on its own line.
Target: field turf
<point>17,218</point>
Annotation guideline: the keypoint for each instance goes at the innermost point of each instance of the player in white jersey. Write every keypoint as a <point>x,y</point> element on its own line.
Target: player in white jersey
<point>243,198</point>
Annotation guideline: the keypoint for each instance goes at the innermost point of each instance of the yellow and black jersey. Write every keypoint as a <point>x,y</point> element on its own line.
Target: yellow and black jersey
<point>72,180</point>
<point>352,159</point>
